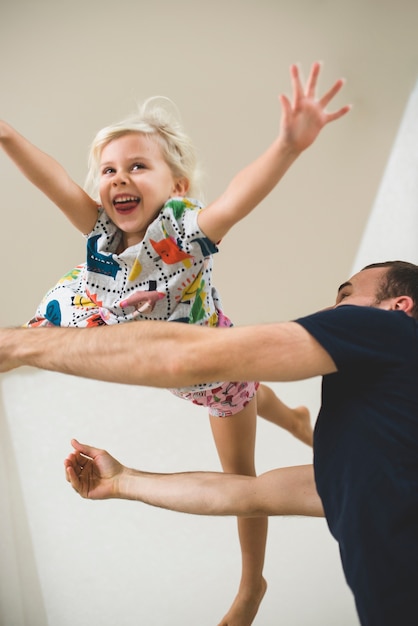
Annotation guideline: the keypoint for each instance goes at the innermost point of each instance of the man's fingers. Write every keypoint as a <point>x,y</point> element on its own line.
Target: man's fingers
<point>83,450</point>
<point>72,477</point>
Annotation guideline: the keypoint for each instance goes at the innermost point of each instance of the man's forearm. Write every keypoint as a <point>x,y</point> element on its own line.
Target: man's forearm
<point>138,353</point>
<point>95,474</point>
<point>123,353</point>
<point>168,354</point>
<point>285,491</point>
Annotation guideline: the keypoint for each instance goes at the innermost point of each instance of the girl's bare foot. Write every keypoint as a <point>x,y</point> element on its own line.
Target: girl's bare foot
<point>297,421</point>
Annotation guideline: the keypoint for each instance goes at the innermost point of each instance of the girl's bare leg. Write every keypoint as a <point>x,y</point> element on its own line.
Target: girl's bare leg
<point>296,421</point>
<point>235,441</point>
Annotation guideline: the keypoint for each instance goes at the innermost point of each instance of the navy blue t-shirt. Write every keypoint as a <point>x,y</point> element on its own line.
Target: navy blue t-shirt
<point>366,455</point>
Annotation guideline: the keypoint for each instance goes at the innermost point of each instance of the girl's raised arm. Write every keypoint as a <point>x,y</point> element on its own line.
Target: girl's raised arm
<point>50,177</point>
<point>301,122</point>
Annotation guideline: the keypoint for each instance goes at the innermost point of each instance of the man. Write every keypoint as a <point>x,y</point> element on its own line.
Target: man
<point>366,435</point>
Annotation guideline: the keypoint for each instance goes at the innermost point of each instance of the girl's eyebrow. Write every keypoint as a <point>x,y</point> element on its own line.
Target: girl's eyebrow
<point>135,157</point>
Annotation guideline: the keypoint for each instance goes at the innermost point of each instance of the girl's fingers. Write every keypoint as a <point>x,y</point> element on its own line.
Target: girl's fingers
<point>299,93</point>
<point>286,106</point>
<point>331,117</point>
<point>297,88</point>
<point>326,98</point>
<point>312,80</point>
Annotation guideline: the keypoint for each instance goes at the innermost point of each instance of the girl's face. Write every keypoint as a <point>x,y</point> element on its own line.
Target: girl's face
<point>135,182</point>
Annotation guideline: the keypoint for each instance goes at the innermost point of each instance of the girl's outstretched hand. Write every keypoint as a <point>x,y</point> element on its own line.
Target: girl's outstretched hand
<point>304,117</point>
<point>142,301</point>
<point>92,472</point>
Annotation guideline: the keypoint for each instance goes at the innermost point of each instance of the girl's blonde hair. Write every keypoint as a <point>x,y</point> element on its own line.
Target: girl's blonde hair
<point>155,120</point>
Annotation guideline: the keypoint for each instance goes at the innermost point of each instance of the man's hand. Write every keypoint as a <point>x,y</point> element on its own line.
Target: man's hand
<point>92,472</point>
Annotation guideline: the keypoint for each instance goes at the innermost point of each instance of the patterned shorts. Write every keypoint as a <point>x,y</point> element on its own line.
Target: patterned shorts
<point>223,401</point>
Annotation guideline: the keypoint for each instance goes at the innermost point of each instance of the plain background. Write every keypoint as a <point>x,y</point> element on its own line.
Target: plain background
<point>66,70</point>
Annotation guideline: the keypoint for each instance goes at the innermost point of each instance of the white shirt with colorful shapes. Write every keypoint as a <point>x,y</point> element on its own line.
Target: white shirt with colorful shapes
<point>173,262</point>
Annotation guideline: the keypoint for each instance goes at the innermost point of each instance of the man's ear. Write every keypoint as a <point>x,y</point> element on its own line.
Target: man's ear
<point>403,303</point>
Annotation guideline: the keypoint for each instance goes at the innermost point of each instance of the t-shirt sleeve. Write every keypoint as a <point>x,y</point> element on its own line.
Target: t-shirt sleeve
<point>179,220</point>
<point>356,336</point>
<point>98,227</point>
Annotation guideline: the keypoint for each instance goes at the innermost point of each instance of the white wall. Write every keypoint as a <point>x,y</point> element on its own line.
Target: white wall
<point>392,227</point>
<point>116,562</point>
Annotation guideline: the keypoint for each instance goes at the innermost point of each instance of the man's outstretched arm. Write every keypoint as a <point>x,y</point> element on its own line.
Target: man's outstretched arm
<point>162,354</point>
<point>95,474</point>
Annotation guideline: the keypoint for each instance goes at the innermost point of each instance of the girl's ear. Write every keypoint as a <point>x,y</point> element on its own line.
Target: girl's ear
<point>181,186</point>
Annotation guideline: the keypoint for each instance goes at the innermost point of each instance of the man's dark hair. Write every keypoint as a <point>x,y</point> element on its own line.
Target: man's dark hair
<point>401,279</point>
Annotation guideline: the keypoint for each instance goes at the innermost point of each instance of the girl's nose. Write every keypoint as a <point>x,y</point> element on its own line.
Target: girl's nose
<point>119,178</point>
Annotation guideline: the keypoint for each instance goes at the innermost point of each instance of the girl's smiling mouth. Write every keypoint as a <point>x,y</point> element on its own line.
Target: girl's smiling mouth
<point>124,203</point>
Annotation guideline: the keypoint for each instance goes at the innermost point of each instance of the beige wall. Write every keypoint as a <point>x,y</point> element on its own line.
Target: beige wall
<point>67,69</point>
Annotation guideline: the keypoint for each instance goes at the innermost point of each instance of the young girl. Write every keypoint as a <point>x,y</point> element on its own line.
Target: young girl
<point>149,256</point>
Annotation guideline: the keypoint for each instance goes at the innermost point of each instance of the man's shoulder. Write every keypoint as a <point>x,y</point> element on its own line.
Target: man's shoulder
<point>354,314</point>
<point>351,332</point>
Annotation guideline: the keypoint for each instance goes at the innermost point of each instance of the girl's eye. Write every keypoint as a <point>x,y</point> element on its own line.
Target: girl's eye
<point>107,170</point>
<point>138,166</point>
